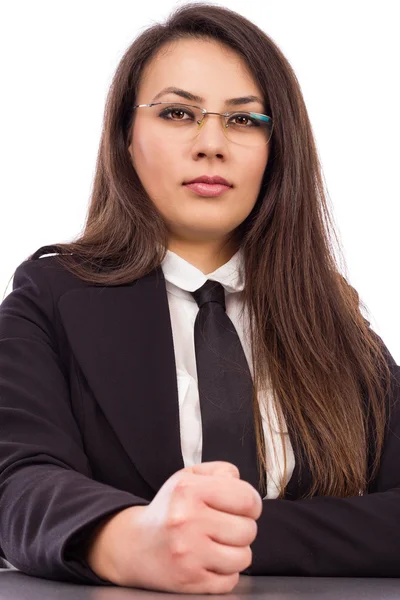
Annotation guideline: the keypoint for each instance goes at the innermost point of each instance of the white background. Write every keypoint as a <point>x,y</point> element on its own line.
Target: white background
<point>57,62</point>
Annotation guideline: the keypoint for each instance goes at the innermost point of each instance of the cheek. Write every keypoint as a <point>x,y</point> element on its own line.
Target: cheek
<point>151,155</point>
<point>251,166</point>
<point>148,150</point>
<point>254,174</point>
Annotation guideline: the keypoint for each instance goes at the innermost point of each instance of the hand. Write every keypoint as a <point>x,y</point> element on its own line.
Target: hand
<point>194,537</point>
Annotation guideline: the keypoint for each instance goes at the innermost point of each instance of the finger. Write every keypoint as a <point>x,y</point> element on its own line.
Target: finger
<point>217,467</point>
<point>231,530</point>
<point>226,494</point>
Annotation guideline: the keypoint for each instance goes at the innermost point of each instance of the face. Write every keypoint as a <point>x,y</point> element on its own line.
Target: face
<point>215,73</point>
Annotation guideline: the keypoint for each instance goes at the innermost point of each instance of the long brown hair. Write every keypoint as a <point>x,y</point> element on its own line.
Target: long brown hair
<point>309,340</point>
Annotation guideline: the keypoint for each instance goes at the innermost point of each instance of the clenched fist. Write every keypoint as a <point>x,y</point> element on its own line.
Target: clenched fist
<point>194,537</point>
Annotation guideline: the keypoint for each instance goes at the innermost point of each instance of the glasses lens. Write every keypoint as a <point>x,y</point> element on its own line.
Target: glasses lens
<point>249,129</point>
<point>181,122</point>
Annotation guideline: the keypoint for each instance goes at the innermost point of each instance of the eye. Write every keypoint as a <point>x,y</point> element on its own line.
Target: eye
<point>244,117</point>
<point>175,110</point>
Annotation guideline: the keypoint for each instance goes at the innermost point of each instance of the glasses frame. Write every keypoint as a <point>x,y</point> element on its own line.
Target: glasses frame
<point>206,112</point>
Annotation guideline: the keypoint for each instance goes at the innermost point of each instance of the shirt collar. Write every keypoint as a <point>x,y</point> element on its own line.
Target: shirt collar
<point>185,276</point>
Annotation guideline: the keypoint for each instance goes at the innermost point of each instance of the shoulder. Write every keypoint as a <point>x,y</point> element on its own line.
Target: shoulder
<point>44,279</point>
<point>31,308</point>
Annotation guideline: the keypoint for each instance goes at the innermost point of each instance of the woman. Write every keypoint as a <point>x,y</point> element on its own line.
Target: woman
<point>113,469</point>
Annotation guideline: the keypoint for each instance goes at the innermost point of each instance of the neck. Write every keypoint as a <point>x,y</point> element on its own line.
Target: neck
<point>206,257</point>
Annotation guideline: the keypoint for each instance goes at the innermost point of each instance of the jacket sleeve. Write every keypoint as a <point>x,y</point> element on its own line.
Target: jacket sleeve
<point>329,536</point>
<point>48,498</point>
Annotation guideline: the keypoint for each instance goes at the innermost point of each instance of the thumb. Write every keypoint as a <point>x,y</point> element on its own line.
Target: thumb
<point>216,467</point>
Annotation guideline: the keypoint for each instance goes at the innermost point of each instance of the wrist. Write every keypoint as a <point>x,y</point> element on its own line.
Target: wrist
<point>95,546</point>
<point>106,542</point>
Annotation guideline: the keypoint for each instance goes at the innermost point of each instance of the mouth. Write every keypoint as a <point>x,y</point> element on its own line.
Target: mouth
<point>207,189</point>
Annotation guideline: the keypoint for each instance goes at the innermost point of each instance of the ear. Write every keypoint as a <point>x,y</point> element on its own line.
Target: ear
<point>130,150</point>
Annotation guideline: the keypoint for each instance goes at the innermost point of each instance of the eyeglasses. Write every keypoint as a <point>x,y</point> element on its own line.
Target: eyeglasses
<point>183,122</point>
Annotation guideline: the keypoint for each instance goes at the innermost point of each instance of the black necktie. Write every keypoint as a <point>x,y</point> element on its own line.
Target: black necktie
<point>225,385</point>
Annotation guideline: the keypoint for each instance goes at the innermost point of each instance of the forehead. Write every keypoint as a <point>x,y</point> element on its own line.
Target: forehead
<point>207,68</point>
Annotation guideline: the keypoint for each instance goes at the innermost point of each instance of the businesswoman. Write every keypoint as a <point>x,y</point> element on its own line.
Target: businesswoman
<point>189,391</point>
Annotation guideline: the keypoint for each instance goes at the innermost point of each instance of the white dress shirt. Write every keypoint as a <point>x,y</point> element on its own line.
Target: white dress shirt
<point>182,278</point>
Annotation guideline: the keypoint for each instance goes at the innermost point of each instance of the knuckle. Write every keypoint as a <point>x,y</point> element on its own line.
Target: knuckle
<point>178,548</point>
<point>181,486</point>
<point>253,530</point>
<point>183,489</point>
<point>178,514</point>
<point>249,503</point>
<point>175,519</point>
<point>223,585</point>
<point>248,557</point>
<point>187,574</point>
<point>235,579</point>
<point>251,498</point>
<point>235,471</point>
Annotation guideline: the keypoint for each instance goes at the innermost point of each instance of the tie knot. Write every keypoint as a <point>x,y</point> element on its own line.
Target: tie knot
<point>210,291</point>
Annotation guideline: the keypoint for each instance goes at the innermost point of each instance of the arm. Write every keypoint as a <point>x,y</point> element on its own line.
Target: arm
<point>49,503</point>
<point>328,536</point>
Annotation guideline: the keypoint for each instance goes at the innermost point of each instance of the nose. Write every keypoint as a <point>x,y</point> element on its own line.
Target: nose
<point>211,131</point>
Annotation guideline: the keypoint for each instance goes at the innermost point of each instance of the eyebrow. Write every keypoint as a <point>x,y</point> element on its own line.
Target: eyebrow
<point>194,98</point>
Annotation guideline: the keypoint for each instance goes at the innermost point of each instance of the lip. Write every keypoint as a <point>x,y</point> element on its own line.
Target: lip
<point>206,189</point>
<point>210,179</point>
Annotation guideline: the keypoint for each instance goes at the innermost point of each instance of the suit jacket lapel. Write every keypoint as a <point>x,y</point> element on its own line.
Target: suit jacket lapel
<point>122,339</point>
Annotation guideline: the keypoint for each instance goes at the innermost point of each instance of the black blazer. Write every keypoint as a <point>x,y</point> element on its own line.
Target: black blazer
<point>89,425</point>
